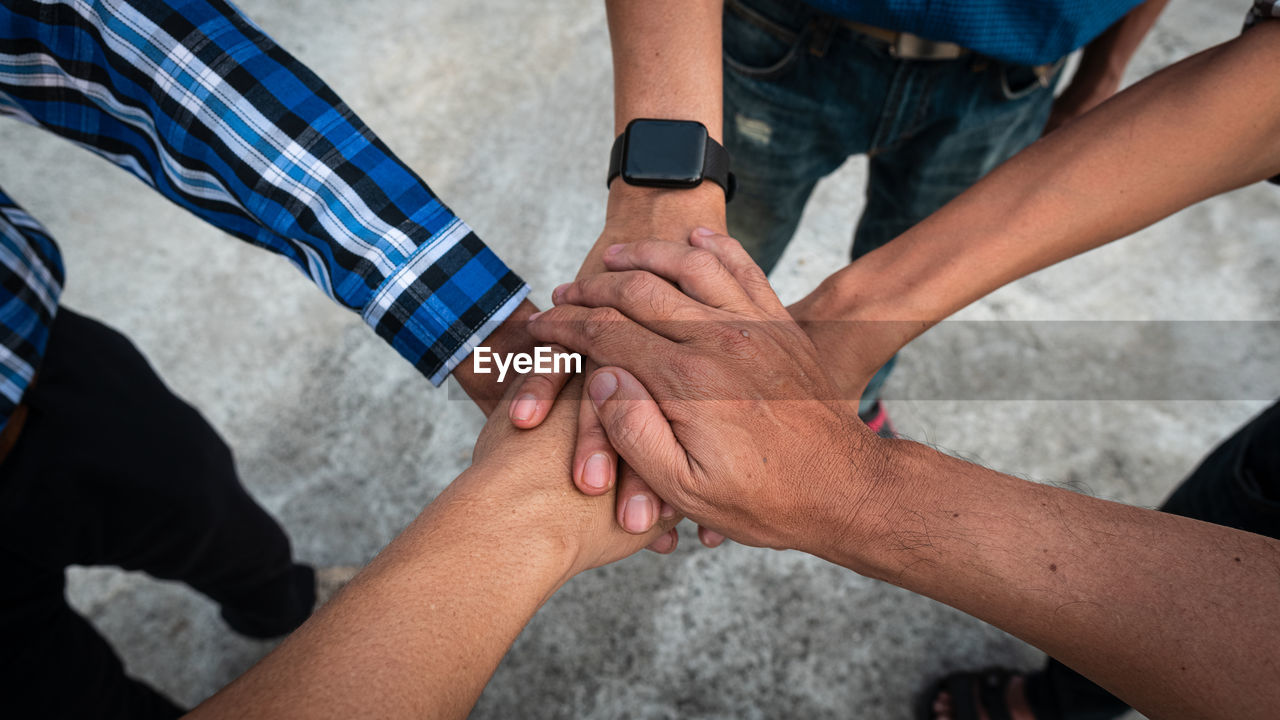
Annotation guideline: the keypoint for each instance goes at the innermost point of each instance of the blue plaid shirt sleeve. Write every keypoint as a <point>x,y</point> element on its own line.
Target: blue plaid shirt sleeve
<point>196,101</point>
<point>30,283</point>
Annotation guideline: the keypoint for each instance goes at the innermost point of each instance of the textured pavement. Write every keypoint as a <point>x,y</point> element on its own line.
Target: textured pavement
<point>504,107</point>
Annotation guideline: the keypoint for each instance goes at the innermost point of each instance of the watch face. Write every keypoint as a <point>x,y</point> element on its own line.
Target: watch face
<point>667,153</point>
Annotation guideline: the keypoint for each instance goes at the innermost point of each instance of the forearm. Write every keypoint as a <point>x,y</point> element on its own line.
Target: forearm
<point>666,65</point>
<point>666,61</point>
<point>1198,128</point>
<point>259,146</point>
<point>1152,606</point>
<point>419,632</point>
<point>1104,60</point>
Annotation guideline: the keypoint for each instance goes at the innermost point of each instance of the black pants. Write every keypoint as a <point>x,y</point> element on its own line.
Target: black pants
<point>1238,485</point>
<point>112,469</point>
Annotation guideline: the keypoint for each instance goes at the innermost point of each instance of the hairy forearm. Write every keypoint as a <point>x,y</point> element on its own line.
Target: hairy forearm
<point>1196,129</point>
<point>1149,605</point>
<point>419,632</point>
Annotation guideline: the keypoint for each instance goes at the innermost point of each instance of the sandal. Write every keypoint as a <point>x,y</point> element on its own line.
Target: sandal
<point>969,691</point>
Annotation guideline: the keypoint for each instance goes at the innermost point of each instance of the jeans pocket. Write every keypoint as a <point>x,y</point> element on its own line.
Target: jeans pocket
<point>758,46</point>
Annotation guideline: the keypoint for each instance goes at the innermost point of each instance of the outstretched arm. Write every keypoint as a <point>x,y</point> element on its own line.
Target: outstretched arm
<point>200,104</point>
<point>724,407</point>
<point>419,631</point>
<point>1198,128</point>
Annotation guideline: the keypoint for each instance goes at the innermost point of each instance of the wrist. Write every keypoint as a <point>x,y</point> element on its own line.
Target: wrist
<point>891,286</point>
<point>525,525</point>
<point>639,213</point>
<point>667,211</point>
<point>512,336</point>
<point>854,518</point>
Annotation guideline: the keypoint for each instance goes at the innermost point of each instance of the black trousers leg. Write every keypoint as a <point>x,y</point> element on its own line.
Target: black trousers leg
<point>55,664</point>
<point>111,468</point>
<point>1238,485</point>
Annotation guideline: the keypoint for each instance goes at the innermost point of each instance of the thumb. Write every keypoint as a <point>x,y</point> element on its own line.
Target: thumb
<point>638,430</point>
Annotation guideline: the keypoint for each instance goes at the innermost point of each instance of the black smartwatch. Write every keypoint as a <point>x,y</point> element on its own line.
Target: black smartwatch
<point>670,154</point>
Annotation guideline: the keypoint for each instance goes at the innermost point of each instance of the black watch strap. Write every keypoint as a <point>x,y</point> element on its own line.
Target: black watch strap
<point>615,159</point>
<point>715,165</point>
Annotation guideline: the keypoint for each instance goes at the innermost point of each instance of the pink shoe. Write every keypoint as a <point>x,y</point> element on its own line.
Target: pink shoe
<point>878,420</point>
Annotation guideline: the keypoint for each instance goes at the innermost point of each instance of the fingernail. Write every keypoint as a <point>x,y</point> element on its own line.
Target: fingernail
<point>614,249</point>
<point>704,232</point>
<point>667,511</point>
<point>524,408</point>
<point>595,472</point>
<point>558,293</point>
<point>602,386</point>
<point>535,316</point>
<point>637,516</point>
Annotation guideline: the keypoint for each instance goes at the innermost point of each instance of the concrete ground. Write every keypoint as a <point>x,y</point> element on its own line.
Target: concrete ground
<point>504,106</point>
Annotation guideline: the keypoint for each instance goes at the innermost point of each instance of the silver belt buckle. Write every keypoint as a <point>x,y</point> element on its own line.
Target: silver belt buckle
<point>914,47</point>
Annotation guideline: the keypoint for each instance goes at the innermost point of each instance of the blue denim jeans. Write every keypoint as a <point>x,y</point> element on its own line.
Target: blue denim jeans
<point>803,93</point>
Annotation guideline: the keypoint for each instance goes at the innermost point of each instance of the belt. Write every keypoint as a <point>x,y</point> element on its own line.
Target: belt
<point>906,46</point>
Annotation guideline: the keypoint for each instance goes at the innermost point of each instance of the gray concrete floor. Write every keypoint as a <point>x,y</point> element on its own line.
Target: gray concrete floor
<point>504,106</point>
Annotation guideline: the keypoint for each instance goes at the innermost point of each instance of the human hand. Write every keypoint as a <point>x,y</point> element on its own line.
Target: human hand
<point>854,344</point>
<point>634,214</point>
<point>723,405</point>
<point>525,473</point>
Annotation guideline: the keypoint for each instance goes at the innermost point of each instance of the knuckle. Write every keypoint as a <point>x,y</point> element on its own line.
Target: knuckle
<point>540,384</point>
<point>636,284</point>
<point>632,425</point>
<point>573,293</point>
<point>731,243</point>
<point>698,262</point>
<point>592,437</point>
<point>754,275</point>
<point>662,306</point>
<point>597,322</point>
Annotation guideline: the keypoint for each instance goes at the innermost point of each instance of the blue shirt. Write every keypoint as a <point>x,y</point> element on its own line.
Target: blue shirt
<point>1025,32</point>
<point>195,101</point>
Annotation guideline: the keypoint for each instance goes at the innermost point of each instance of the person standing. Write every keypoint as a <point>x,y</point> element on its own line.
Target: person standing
<point>934,96</point>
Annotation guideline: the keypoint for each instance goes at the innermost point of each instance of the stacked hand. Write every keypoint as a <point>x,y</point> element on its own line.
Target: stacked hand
<point>700,355</point>
<point>634,214</point>
<point>533,466</point>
